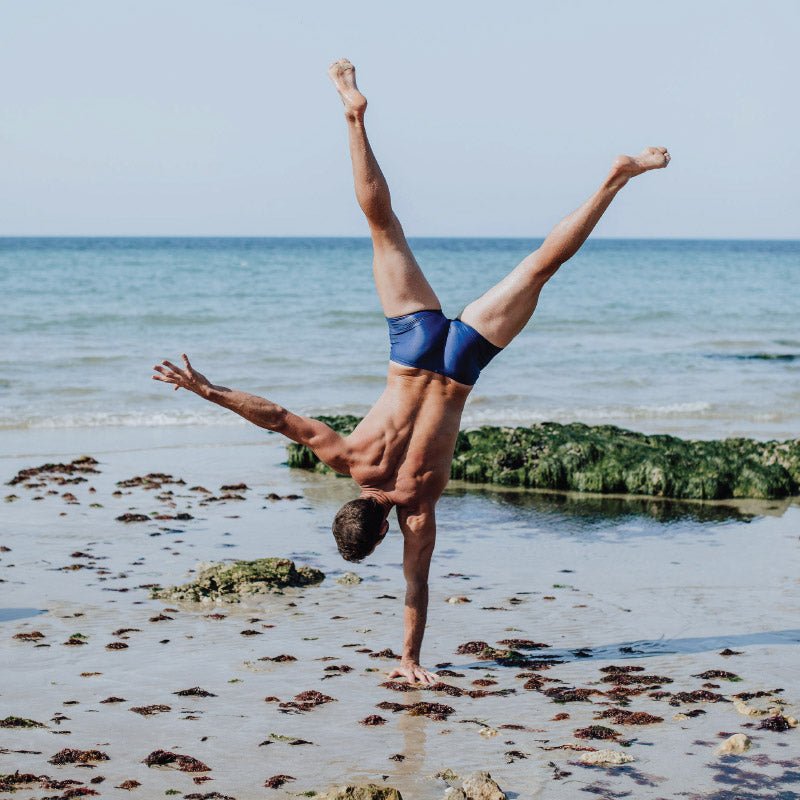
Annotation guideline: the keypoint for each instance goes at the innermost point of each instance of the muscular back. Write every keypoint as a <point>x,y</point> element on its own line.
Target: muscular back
<point>404,446</point>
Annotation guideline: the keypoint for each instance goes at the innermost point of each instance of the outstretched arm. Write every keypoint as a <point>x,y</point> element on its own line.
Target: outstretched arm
<point>419,531</point>
<point>328,445</point>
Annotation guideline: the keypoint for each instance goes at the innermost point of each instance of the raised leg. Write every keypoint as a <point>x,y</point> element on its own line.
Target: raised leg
<point>501,313</point>
<point>401,284</point>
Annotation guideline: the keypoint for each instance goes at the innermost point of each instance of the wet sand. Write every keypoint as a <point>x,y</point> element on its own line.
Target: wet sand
<point>602,582</point>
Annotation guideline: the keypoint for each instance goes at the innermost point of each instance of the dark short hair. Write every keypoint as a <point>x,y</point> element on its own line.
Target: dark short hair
<point>357,527</point>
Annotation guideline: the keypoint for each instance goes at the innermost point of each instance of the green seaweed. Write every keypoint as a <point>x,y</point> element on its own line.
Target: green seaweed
<point>230,582</point>
<point>605,459</point>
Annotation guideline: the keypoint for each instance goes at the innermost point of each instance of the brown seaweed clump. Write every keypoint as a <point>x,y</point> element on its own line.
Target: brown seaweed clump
<point>697,696</point>
<point>472,648</point>
<point>70,756</point>
<point>621,716</point>
<point>131,517</point>
<point>149,711</point>
<point>436,711</point>
<point>306,701</point>
<point>373,719</point>
<point>400,686</point>
<point>720,674</point>
<point>777,723</point>
<point>562,694</point>
<point>84,465</point>
<point>195,691</point>
<point>230,582</point>
<point>633,678</point>
<point>522,644</point>
<point>276,781</point>
<point>29,636</point>
<point>596,732</point>
<point>165,758</point>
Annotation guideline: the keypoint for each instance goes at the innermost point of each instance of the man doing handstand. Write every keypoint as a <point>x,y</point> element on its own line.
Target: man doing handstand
<point>400,453</point>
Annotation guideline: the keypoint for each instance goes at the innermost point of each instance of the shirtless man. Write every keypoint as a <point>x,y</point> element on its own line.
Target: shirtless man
<point>400,453</point>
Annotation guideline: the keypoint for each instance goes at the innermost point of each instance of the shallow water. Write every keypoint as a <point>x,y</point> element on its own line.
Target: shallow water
<point>665,591</point>
<point>653,335</point>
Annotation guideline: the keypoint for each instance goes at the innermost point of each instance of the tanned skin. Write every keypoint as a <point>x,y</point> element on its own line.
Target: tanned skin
<point>400,453</point>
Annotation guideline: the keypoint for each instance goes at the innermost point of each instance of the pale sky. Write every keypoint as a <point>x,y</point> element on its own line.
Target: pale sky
<point>193,117</point>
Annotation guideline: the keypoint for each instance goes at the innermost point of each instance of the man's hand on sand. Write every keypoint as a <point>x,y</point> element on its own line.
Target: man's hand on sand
<point>188,378</point>
<point>413,673</point>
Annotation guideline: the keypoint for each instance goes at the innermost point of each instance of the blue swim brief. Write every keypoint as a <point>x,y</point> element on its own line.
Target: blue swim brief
<point>429,340</point>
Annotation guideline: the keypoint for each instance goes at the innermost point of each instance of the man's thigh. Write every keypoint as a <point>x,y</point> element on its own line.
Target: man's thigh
<point>401,284</point>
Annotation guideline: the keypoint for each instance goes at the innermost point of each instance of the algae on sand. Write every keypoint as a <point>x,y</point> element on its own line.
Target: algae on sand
<point>606,459</point>
<point>230,582</point>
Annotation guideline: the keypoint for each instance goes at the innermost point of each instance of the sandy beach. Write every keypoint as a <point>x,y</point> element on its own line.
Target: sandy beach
<point>635,608</point>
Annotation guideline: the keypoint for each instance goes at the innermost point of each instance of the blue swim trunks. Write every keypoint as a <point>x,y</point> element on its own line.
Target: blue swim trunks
<point>429,340</point>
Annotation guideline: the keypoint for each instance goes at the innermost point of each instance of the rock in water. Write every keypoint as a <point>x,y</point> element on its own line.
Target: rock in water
<point>454,793</point>
<point>368,791</point>
<point>230,582</point>
<point>480,786</point>
<point>734,745</point>
<point>605,459</point>
<point>349,579</point>
<point>605,758</point>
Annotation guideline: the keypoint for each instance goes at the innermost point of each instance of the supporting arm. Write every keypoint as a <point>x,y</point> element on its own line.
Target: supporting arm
<point>419,530</point>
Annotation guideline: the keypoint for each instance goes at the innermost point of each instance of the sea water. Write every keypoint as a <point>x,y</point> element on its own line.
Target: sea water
<point>696,338</point>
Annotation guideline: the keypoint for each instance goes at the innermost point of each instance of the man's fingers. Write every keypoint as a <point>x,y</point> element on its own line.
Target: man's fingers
<point>171,366</point>
<point>186,361</point>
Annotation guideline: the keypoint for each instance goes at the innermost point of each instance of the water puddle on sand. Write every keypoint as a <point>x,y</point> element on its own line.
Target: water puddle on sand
<point>603,583</point>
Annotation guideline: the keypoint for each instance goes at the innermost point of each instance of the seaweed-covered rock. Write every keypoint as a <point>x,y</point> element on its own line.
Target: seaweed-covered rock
<point>369,791</point>
<point>303,457</point>
<point>230,582</point>
<point>606,459</point>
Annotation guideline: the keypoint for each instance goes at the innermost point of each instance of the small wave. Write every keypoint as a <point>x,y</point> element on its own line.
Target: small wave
<point>134,419</point>
<point>756,356</point>
<point>488,416</point>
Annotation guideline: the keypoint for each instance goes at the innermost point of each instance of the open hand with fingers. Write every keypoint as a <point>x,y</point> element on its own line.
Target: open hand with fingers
<point>187,378</point>
<point>414,673</point>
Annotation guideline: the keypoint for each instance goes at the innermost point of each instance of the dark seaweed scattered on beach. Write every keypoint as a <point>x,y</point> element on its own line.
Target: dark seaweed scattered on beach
<point>71,756</point>
<point>164,758</point>
<point>195,691</point>
<point>472,648</point>
<point>373,719</point>
<point>634,678</point>
<point>149,711</point>
<point>436,711</point>
<point>113,699</point>
<point>306,701</point>
<point>522,644</point>
<point>84,465</point>
<point>563,694</point>
<point>596,732</point>
<point>128,785</point>
<point>728,652</point>
<point>719,674</point>
<point>621,716</point>
<point>131,517</point>
<point>276,781</point>
<point>697,696</point>
<point>29,636</point>
<point>777,723</point>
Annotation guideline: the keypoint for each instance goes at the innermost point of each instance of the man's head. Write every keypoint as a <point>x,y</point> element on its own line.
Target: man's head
<point>359,527</point>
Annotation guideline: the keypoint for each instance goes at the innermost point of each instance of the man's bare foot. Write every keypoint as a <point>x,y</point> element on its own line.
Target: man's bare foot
<point>343,75</point>
<point>627,167</point>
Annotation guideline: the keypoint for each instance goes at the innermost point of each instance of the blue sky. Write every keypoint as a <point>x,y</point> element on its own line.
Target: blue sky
<point>190,117</point>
